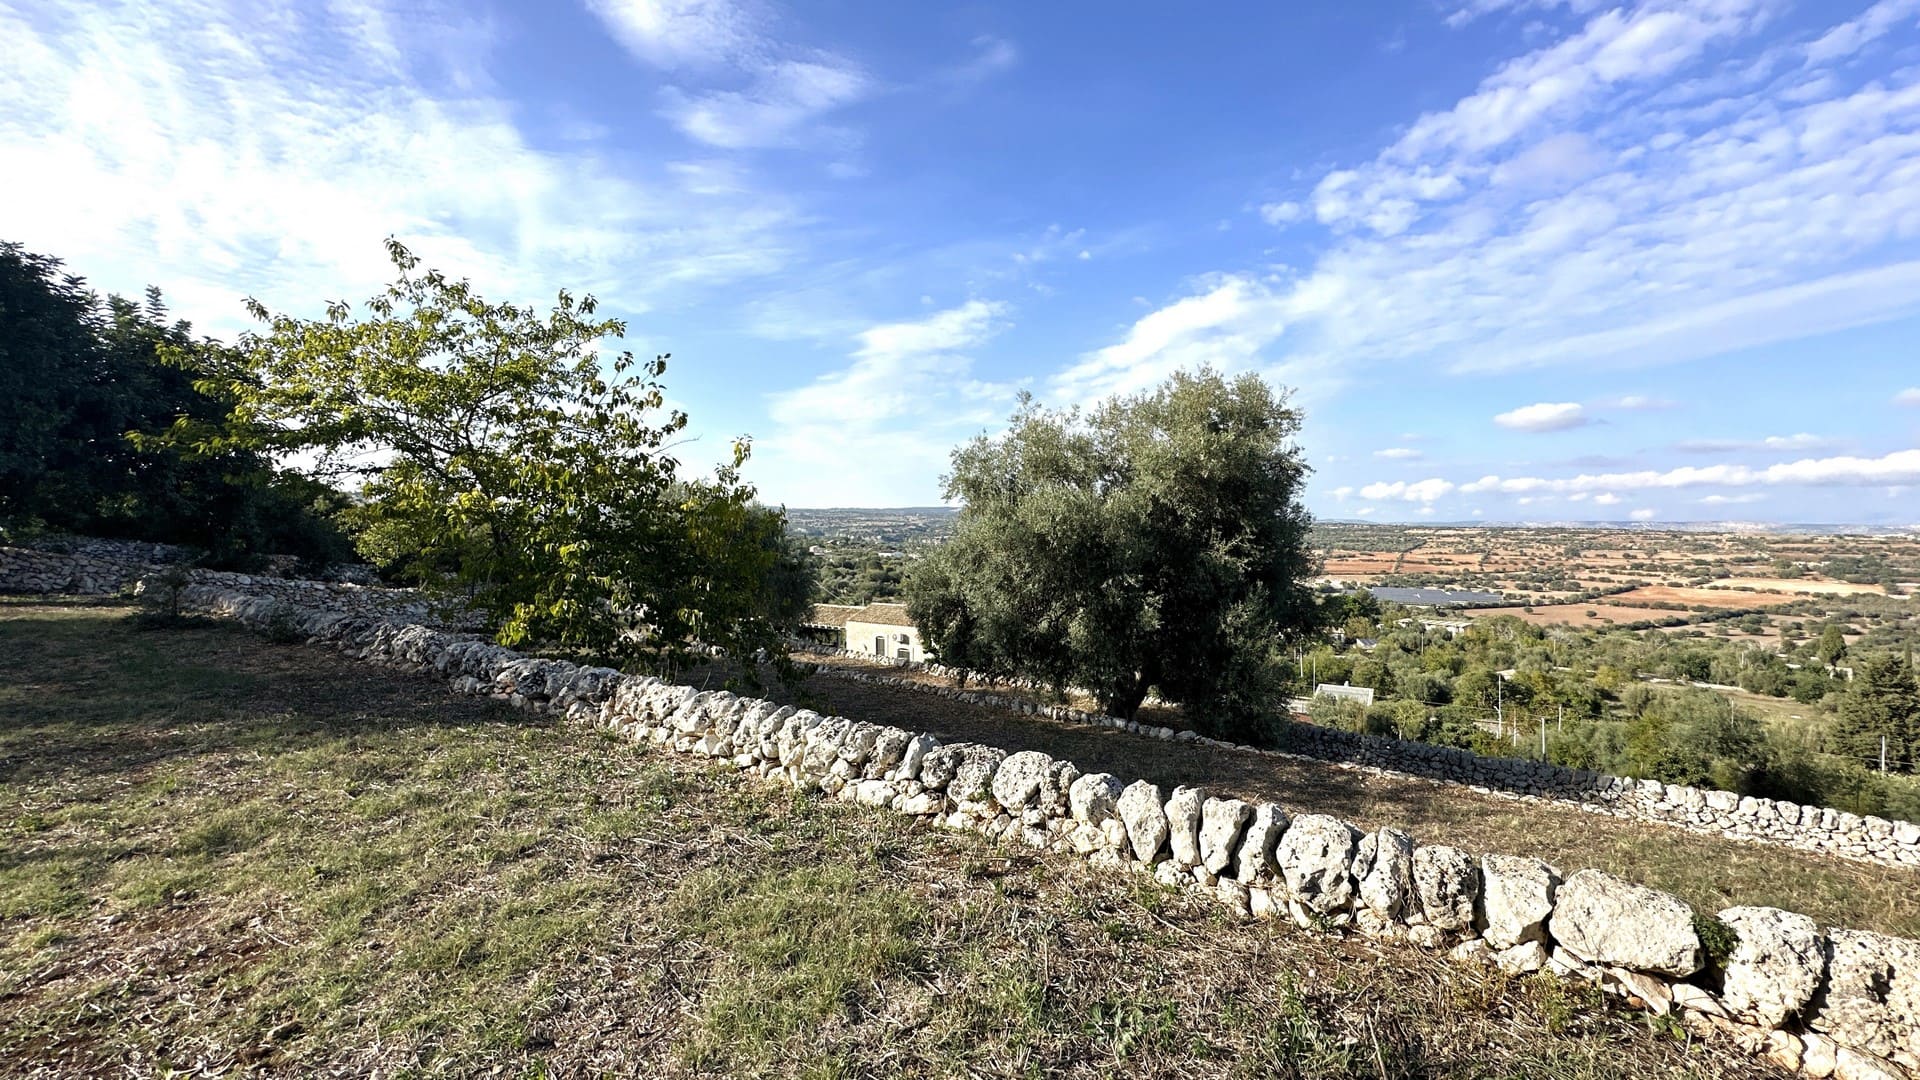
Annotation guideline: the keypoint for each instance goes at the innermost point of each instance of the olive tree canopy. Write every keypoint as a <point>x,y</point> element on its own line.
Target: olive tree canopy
<point>1158,542</point>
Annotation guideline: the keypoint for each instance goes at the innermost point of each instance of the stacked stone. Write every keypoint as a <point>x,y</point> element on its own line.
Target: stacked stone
<point>1831,1002</point>
<point>1718,813</point>
<point>85,568</point>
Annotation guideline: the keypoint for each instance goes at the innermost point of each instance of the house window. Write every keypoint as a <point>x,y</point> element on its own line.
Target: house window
<point>880,645</point>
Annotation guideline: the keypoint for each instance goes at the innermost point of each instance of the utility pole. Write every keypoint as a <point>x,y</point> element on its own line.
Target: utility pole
<point>1543,738</point>
<point>1883,755</point>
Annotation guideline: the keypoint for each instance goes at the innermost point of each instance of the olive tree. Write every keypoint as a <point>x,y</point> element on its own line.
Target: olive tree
<point>1157,542</point>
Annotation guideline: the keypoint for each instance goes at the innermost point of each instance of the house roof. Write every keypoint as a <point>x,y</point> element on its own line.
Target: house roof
<point>832,616</point>
<point>1344,691</point>
<point>882,614</point>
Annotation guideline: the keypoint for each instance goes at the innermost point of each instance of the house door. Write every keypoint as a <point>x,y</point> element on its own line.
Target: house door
<point>879,644</point>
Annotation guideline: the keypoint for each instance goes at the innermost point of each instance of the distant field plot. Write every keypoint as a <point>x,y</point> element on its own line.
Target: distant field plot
<point>1577,614</point>
<point>1712,598</point>
<point>1797,585</point>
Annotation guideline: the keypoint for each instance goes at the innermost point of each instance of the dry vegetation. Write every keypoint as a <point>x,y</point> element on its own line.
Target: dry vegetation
<point>225,857</point>
<point>1708,871</point>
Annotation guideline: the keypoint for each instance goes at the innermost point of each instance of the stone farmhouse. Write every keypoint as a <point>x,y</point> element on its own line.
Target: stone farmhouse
<point>879,630</point>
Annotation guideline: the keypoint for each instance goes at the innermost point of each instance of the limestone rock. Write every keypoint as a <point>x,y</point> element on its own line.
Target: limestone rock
<point>1785,1050</point>
<point>1608,920</point>
<point>1851,1064</point>
<point>1018,782</point>
<point>1143,812</point>
<point>1775,969</point>
<point>913,755</point>
<point>1819,1056</point>
<point>1221,823</point>
<point>1094,797</point>
<point>1183,824</point>
<point>1647,991</point>
<point>1447,884</point>
<point>1470,953</point>
<point>1516,898</point>
<point>1254,861</point>
<point>1316,860</point>
<point>1522,959</point>
<point>973,776</point>
<point>1383,869</point>
<point>1871,999</point>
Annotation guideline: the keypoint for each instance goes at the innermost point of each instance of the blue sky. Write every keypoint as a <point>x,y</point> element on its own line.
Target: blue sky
<point>1520,259</point>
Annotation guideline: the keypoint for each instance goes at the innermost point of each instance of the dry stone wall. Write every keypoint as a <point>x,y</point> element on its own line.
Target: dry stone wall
<point>1720,813</point>
<point>78,567</point>
<point>83,567</point>
<point>1828,1001</point>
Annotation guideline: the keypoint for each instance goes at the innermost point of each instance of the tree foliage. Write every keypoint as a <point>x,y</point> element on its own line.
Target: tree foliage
<point>500,459</point>
<point>1156,542</point>
<point>85,385</point>
<point>1883,703</point>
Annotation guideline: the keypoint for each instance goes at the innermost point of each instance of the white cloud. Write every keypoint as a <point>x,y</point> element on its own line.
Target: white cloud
<point>1849,37</point>
<point>775,110</point>
<point>1637,403</point>
<point>681,33</point>
<point>208,145</point>
<point>1544,416</point>
<point>1606,498</point>
<point>720,43</point>
<point>1733,500</point>
<point>992,56</point>
<point>1898,467</point>
<point>1778,443</point>
<point>1642,190</point>
<point>878,431</point>
<point>1642,515</point>
<point>1340,493</point>
<point>1422,491</point>
<point>1399,453</point>
<point>1282,213</point>
<point>1910,396</point>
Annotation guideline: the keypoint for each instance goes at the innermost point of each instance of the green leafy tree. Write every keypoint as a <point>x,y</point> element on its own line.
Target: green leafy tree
<point>1831,646</point>
<point>86,386</point>
<point>1156,542</point>
<point>501,462</point>
<point>1883,702</point>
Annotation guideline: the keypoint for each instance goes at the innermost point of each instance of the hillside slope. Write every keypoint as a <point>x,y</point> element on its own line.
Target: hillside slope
<point>226,854</point>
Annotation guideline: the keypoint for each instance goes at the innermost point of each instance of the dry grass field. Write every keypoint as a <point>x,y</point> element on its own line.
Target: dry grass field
<point>1603,614</point>
<point>224,857</point>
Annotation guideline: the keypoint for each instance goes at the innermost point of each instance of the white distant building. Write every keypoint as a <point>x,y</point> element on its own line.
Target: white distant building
<point>879,630</point>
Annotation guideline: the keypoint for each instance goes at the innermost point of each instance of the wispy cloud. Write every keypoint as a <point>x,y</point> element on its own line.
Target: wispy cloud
<point>230,150</point>
<point>740,85</point>
<point>1908,397</point>
<point>1544,416</point>
<point>885,422</point>
<point>1648,188</point>
<point>1399,453</point>
<point>1637,403</point>
<point>1778,443</point>
<point>1899,467</point>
